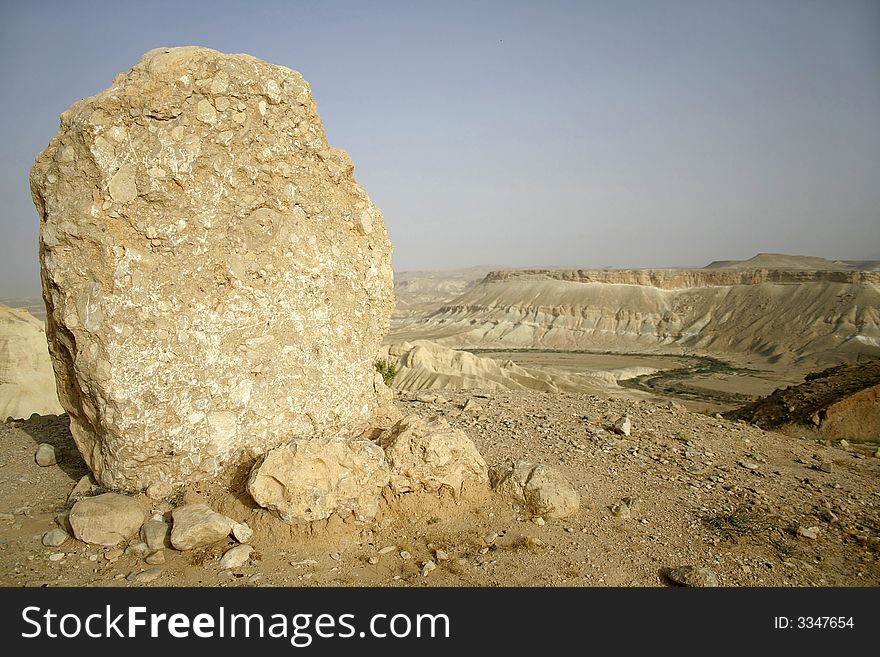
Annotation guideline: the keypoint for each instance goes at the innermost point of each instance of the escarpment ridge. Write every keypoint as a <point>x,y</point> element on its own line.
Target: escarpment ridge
<point>770,315</point>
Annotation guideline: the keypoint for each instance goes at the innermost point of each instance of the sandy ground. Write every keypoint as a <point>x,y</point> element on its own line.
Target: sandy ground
<point>700,491</point>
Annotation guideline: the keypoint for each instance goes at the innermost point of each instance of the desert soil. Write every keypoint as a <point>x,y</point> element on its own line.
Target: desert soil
<point>697,490</point>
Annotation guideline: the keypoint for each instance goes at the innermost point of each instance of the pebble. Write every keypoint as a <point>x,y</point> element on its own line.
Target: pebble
<point>55,537</point>
<point>490,538</point>
<point>693,576</point>
<point>335,556</point>
<point>621,510</point>
<point>47,455</point>
<point>539,521</point>
<point>623,426</point>
<point>8,517</point>
<point>406,556</point>
<point>427,567</point>
<point>441,555</point>
<point>242,532</point>
<point>748,465</point>
<point>387,549</point>
<point>56,556</point>
<point>113,553</point>
<point>373,561</point>
<point>144,576</point>
<point>809,532</point>
<point>236,557</point>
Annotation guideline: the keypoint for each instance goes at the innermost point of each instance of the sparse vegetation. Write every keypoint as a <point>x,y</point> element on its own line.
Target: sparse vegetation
<point>387,369</point>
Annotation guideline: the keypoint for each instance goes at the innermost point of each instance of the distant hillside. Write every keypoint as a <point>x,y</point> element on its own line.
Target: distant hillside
<point>784,261</point>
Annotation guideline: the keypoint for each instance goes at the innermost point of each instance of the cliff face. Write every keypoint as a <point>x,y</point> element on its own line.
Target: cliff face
<point>669,279</point>
<point>779,315</point>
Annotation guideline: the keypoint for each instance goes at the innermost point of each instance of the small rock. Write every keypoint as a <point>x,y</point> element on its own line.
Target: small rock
<point>406,556</point>
<point>809,532</point>
<point>159,490</point>
<point>55,537</point>
<point>236,557</point>
<point>144,576</point>
<point>676,406</point>
<point>387,549</point>
<point>441,555</point>
<point>56,556</point>
<point>472,406</point>
<point>545,491</point>
<point>138,550</point>
<point>197,525</point>
<point>47,455</point>
<point>693,576</point>
<point>335,556</point>
<point>156,558</point>
<point>427,567</point>
<point>107,519</point>
<point>621,510</point>
<point>242,532</point>
<point>373,561</point>
<point>156,534</point>
<point>83,488</point>
<point>113,554</point>
<point>8,517</point>
<point>535,542</point>
<point>844,444</point>
<point>824,466</point>
<point>426,398</point>
<point>748,465</point>
<point>490,538</point>
<point>539,521</point>
<point>623,426</point>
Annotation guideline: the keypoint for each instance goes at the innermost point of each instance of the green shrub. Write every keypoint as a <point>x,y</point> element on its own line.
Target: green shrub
<point>387,369</point>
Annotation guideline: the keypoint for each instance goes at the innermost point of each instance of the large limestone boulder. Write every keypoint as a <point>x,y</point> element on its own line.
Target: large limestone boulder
<point>310,480</point>
<point>428,454</point>
<point>215,279</point>
<point>27,384</point>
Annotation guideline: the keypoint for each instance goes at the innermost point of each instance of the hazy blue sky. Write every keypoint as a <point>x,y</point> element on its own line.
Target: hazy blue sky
<point>614,133</point>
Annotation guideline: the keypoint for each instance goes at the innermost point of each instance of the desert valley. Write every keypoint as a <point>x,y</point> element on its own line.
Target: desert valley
<point>650,391</point>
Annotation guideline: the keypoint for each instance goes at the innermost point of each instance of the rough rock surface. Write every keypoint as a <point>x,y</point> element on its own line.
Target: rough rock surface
<point>197,525</point>
<point>27,384</point>
<point>693,576</point>
<point>156,534</point>
<point>429,454</point>
<point>542,489</point>
<point>47,455</point>
<point>312,479</point>
<point>215,279</point>
<point>106,519</point>
<point>236,557</point>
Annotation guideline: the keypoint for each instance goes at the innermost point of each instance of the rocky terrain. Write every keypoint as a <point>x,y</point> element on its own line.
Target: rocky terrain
<point>841,403</point>
<point>682,489</point>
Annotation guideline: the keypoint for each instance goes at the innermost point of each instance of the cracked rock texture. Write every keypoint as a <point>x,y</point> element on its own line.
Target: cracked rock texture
<point>428,454</point>
<point>311,479</point>
<point>216,282</point>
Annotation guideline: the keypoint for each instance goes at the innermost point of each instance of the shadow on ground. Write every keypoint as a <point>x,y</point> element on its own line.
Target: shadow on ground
<point>55,430</point>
